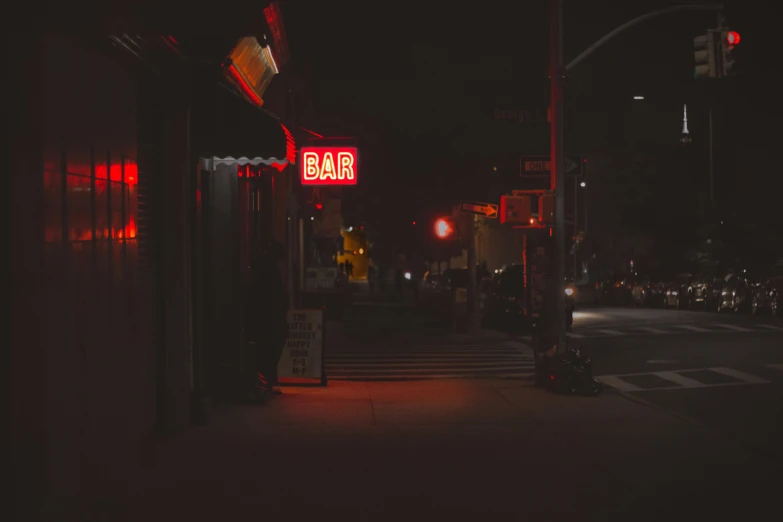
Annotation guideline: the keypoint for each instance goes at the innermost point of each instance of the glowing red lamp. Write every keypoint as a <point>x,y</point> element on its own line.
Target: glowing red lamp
<point>732,38</point>
<point>443,228</point>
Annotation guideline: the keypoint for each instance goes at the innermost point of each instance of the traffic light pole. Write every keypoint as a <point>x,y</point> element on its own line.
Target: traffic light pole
<point>557,172</point>
<point>557,152</point>
<point>630,23</point>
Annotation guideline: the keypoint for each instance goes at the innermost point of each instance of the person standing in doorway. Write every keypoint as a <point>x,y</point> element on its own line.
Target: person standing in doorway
<point>349,268</point>
<point>267,320</point>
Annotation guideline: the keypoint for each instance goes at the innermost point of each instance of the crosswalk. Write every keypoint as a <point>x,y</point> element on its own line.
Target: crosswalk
<point>507,360</point>
<point>673,329</point>
<point>690,378</point>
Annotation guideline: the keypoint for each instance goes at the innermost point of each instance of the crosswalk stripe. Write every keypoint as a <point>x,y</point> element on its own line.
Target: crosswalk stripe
<point>410,374</point>
<point>491,361</point>
<point>775,366</point>
<point>734,327</point>
<point>769,326</point>
<point>382,304</point>
<point>680,379</point>
<point>653,330</point>
<point>692,328</point>
<point>431,355</point>
<point>740,376</point>
<point>618,384</point>
<point>449,347</point>
<point>574,335</point>
<point>406,377</point>
<point>500,364</point>
<point>610,332</point>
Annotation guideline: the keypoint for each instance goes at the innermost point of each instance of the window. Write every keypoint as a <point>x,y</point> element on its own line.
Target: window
<point>98,210</point>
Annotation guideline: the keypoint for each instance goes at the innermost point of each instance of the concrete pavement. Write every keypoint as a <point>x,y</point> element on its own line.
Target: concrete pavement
<point>471,447</point>
<point>447,450</point>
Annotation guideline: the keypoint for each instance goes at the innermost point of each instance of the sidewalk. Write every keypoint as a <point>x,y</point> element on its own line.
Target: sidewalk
<point>448,450</point>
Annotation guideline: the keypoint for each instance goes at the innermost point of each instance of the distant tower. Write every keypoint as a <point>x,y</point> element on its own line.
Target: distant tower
<point>686,136</point>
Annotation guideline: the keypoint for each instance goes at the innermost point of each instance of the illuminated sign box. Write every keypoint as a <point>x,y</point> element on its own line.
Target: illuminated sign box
<point>328,165</point>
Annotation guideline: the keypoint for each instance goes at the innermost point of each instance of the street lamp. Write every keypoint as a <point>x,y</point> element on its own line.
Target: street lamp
<point>638,97</point>
<point>583,184</point>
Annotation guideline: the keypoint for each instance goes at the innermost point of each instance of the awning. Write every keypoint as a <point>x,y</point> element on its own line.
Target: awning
<point>229,130</point>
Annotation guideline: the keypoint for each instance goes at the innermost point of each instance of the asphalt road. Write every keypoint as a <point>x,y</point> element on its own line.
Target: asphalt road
<point>724,371</point>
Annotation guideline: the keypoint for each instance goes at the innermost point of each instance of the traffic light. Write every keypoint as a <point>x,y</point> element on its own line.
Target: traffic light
<point>704,56</point>
<point>728,40</point>
<point>546,208</point>
<point>444,228</point>
<point>515,209</point>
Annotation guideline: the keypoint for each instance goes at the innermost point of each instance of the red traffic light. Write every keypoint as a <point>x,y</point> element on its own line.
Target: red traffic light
<point>732,38</point>
<point>443,228</point>
<point>319,206</point>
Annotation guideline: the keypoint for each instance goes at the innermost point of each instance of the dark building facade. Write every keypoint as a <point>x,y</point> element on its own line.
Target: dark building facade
<point>140,179</point>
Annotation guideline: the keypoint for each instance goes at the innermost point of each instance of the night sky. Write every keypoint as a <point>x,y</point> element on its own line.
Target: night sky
<point>418,85</point>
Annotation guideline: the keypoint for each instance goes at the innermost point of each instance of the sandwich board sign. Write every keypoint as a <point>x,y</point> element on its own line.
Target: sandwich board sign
<point>302,360</point>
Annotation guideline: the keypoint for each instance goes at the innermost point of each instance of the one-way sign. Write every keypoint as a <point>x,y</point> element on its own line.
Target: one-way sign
<point>487,210</point>
<point>541,165</point>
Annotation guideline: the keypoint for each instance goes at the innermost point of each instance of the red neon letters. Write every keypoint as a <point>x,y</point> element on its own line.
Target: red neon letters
<point>328,165</point>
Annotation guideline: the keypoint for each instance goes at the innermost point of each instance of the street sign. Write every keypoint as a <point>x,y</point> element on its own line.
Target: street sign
<point>487,210</point>
<point>541,165</point>
<point>536,166</point>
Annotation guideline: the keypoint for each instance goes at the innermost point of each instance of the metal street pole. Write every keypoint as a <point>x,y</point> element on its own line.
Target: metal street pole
<point>471,305</point>
<point>712,179</point>
<point>557,158</point>
<point>630,23</point>
<point>576,224</point>
<point>292,216</point>
<point>586,276</point>
<point>557,152</point>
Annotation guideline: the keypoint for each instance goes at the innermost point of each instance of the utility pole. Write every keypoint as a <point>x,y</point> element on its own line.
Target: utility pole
<point>557,174</point>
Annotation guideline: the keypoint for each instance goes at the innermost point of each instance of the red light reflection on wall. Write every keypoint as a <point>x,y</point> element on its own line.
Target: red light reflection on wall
<point>328,165</point>
<point>115,171</point>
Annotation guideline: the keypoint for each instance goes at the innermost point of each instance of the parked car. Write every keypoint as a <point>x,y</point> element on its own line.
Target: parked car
<point>704,292</point>
<point>614,291</point>
<point>735,295</point>
<point>432,282</point>
<point>505,307</point>
<point>454,278</point>
<point>676,294</point>
<point>767,293</point>
<point>647,292</point>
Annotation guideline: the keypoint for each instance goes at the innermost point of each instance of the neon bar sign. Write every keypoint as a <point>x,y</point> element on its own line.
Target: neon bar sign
<point>328,165</point>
